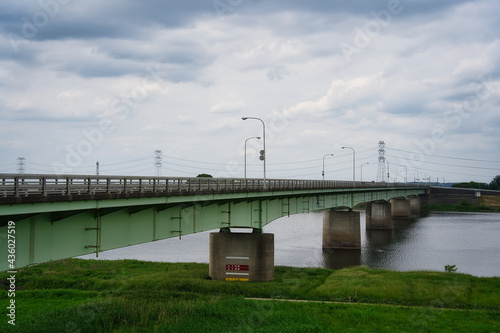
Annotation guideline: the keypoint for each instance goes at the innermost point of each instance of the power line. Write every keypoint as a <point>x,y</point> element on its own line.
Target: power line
<point>454,165</point>
<point>130,161</point>
<point>454,173</point>
<point>454,158</point>
<point>318,160</point>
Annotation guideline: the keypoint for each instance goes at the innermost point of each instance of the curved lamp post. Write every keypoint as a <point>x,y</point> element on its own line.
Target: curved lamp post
<point>353,165</point>
<point>362,169</point>
<point>253,137</point>
<point>388,171</point>
<point>323,172</point>
<point>406,173</point>
<point>263,152</point>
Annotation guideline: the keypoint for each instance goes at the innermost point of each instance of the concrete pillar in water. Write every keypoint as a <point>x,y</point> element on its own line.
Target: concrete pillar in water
<point>378,215</point>
<point>241,256</point>
<point>400,208</point>
<point>414,205</point>
<point>341,230</point>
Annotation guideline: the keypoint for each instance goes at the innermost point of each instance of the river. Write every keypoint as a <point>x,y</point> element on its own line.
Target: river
<point>471,241</point>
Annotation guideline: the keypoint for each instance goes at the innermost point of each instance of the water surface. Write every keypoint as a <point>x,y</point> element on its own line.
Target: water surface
<point>471,241</point>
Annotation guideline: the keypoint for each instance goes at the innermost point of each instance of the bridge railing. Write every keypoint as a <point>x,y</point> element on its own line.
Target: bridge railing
<point>28,185</point>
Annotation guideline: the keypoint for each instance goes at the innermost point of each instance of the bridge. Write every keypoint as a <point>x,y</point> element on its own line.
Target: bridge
<point>51,217</point>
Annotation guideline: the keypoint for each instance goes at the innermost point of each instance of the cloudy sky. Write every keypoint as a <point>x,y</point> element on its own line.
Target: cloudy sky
<point>113,81</point>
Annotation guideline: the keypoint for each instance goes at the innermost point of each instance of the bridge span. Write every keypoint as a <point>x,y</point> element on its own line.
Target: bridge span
<point>62,216</point>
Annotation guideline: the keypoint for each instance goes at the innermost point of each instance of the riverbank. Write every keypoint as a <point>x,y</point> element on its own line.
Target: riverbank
<point>128,295</point>
<point>463,206</point>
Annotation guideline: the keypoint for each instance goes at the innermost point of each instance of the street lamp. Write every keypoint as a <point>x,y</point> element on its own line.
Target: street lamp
<point>353,165</point>
<point>253,137</point>
<point>362,170</point>
<point>323,172</point>
<point>263,151</point>
<point>388,172</point>
<point>406,173</point>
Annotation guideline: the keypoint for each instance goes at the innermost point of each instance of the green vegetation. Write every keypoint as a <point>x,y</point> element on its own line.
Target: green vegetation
<point>450,268</point>
<point>133,296</point>
<point>205,175</point>
<point>493,185</point>
<point>463,206</point>
<point>474,185</point>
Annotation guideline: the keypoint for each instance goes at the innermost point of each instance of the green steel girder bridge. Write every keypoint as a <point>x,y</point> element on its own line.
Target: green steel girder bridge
<point>62,216</point>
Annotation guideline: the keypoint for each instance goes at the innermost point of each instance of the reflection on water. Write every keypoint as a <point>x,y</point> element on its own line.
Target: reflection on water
<point>337,259</point>
<point>471,241</point>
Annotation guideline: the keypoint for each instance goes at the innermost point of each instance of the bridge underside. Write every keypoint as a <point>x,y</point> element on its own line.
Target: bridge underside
<point>51,231</point>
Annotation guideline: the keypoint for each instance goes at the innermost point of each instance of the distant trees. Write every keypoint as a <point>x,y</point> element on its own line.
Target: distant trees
<point>204,175</point>
<point>494,185</point>
<point>481,186</point>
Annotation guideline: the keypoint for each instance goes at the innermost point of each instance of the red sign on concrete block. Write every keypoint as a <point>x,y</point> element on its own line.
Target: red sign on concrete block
<point>237,268</point>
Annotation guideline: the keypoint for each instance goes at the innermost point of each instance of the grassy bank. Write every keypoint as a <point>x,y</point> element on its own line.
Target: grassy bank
<point>123,296</point>
<point>463,206</point>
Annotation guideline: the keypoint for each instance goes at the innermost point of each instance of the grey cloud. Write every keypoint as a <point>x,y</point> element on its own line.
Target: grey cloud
<point>278,73</point>
<point>354,7</point>
<point>424,62</point>
<point>116,19</point>
<point>97,19</point>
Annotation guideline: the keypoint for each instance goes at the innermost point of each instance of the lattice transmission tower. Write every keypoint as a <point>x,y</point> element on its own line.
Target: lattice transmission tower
<point>158,162</point>
<point>21,164</point>
<point>381,162</point>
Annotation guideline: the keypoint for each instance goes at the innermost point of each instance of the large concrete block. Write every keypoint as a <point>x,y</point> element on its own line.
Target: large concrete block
<point>241,256</point>
<point>414,205</point>
<point>378,215</point>
<point>341,230</point>
<point>400,208</point>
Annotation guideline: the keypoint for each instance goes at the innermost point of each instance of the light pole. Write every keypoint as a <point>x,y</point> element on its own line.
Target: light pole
<point>388,172</point>
<point>323,172</point>
<point>362,170</point>
<point>406,173</point>
<point>353,165</point>
<point>263,151</point>
<point>253,137</point>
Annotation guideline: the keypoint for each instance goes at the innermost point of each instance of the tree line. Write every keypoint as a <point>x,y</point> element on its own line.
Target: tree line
<point>493,185</point>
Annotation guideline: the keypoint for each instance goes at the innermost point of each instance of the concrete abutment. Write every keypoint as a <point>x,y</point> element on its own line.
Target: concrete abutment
<point>378,215</point>
<point>341,229</point>
<point>241,256</point>
<point>400,208</point>
<point>414,205</point>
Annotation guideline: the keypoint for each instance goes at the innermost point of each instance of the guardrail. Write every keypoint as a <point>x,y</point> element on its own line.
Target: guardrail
<point>32,185</point>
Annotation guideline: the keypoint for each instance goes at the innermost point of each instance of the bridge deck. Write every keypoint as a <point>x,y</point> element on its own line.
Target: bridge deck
<point>32,188</point>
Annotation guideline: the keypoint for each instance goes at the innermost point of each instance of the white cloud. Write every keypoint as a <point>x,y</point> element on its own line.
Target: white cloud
<point>185,118</point>
<point>227,107</point>
<point>224,123</point>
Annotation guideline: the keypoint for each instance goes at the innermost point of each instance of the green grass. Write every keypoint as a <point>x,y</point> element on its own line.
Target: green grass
<point>457,208</point>
<point>132,296</point>
<point>463,206</point>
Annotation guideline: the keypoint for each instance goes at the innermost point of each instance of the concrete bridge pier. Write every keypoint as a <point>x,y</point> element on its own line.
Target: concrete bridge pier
<point>238,256</point>
<point>341,229</point>
<point>414,205</point>
<point>378,215</point>
<point>400,208</point>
